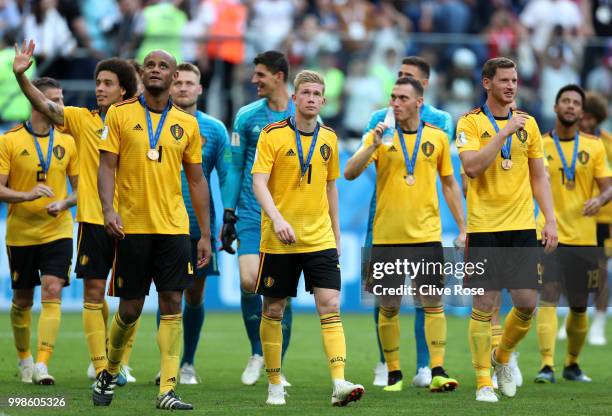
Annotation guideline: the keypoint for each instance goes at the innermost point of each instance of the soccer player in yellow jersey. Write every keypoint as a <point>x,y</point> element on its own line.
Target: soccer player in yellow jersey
<point>594,114</point>
<point>35,160</point>
<point>576,163</point>
<point>406,181</point>
<point>294,180</point>
<point>145,142</point>
<point>501,153</point>
<point>115,81</point>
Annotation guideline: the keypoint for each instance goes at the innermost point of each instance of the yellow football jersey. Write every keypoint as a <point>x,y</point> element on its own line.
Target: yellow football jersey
<point>149,192</point>
<point>28,223</point>
<point>591,163</point>
<point>86,127</point>
<point>304,206</point>
<point>498,199</point>
<point>605,213</point>
<point>395,198</point>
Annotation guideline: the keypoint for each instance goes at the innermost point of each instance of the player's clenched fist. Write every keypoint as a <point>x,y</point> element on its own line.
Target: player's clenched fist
<point>517,122</point>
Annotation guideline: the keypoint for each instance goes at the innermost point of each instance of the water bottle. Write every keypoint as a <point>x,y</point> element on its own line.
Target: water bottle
<point>389,121</point>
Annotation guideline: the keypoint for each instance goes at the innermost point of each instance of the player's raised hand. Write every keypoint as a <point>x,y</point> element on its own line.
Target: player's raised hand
<point>591,207</point>
<point>114,225</point>
<point>56,207</point>
<point>516,123</point>
<point>378,132</point>
<point>204,252</point>
<point>284,232</point>
<point>228,231</point>
<point>23,57</point>
<point>39,191</point>
<point>550,238</point>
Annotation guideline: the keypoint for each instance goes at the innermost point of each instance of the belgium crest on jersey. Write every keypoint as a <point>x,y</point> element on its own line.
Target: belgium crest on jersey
<point>583,157</point>
<point>325,152</point>
<point>428,148</point>
<point>177,131</point>
<point>522,135</point>
<point>59,152</point>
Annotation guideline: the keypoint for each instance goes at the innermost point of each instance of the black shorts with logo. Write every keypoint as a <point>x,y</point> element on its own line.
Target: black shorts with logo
<point>141,259</point>
<point>29,263</point>
<point>424,253</point>
<point>575,268</point>
<point>510,260</point>
<point>95,252</point>
<point>279,274</point>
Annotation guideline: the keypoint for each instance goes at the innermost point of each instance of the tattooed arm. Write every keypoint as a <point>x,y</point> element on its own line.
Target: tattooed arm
<point>23,60</point>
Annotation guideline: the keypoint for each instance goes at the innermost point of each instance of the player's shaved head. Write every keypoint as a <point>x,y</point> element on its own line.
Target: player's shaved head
<point>160,54</point>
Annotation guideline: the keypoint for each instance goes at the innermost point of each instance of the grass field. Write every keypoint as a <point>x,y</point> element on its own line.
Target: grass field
<point>224,351</point>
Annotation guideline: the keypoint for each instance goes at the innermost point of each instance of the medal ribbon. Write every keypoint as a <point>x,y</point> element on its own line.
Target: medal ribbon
<point>505,150</point>
<point>154,139</point>
<point>410,162</point>
<point>298,144</point>
<point>44,165</point>
<point>570,171</point>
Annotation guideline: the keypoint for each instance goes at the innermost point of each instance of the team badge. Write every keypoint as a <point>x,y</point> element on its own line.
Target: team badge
<point>84,260</point>
<point>203,140</point>
<point>99,132</point>
<point>268,281</point>
<point>583,157</point>
<point>325,152</point>
<point>522,135</point>
<point>177,131</point>
<point>59,152</point>
<point>427,148</point>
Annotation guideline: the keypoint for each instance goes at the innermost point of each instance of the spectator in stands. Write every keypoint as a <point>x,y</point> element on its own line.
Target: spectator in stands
<point>600,77</point>
<point>357,21</point>
<point>461,86</point>
<point>363,96</point>
<point>331,113</point>
<point>162,28</point>
<point>10,18</point>
<point>502,34</point>
<point>122,30</point>
<point>271,22</point>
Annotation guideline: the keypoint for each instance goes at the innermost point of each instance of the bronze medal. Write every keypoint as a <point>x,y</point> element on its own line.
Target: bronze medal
<point>153,154</point>
<point>410,180</point>
<point>570,185</point>
<point>506,164</point>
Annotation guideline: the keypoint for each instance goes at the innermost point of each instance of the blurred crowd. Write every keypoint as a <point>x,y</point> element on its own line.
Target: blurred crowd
<point>356,44</point>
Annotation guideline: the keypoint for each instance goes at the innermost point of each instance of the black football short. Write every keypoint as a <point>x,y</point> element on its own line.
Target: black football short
<point>576,270</point>
<point>95,252</point>
<point>509,260</point>
<point>141,259</point>
<point>279,274</point>
<point>603,233</point>
<point>29,263</point>
<point>429,253</point>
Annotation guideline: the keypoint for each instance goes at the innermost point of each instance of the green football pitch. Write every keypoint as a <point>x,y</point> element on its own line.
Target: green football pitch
<point>224,351</point>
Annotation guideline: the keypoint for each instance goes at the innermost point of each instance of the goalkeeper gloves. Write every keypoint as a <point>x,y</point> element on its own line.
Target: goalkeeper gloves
<point>228,231</point>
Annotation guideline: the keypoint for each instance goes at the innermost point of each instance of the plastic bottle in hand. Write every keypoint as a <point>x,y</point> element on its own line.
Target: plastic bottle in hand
<point>389,121</point>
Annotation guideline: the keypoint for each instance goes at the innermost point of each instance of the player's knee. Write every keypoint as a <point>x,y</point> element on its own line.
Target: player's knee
<point>526,309</point>
<point>578,309</point>
<point>329,306</point>
<point>170,302</point>
<point>51,289</point>
<point>194,296</point>
<point>94,291</point>
<point>130,310</point>
<point>23,298</point>
<point>274,309</point>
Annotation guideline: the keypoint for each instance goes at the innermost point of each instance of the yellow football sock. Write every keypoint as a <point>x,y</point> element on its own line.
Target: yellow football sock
<point>119,335</point>
<point>271,335</point>
<point>48,327</point>
<point>516,326</point>
<point>169,337</point>
<point>130,345</point>
<point>435,334</point>
<point>496,334</point>
<point>546,328</point>
<point>105,314</point>
<point>576,327</point>
<point>95,333</point>
<point>389,334</point>
<point>21,320</point>
<point>479,334</point>
<point>334,344</point>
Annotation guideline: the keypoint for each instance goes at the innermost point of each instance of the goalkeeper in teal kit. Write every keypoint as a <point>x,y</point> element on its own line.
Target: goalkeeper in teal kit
<point>242,215</point>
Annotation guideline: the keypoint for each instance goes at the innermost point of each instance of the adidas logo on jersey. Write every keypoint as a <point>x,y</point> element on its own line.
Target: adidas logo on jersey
<point>485,135</point>
<point>549,158</point>
<point>290,152</point>
<point>137,127</point>
<point>392,149</point>
<point>24,153</point>
<point>256,129</point>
